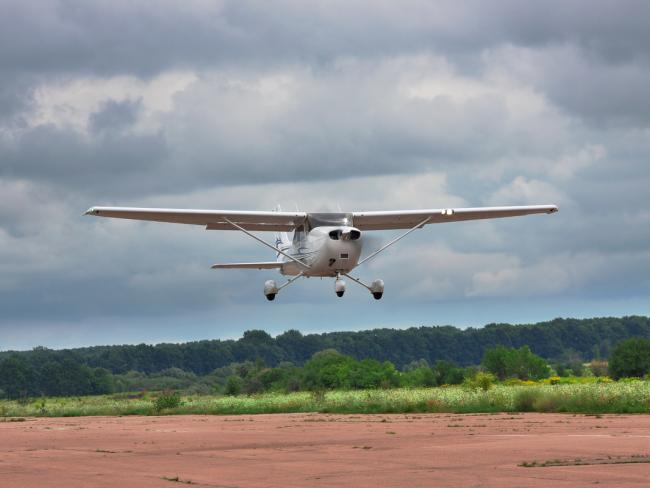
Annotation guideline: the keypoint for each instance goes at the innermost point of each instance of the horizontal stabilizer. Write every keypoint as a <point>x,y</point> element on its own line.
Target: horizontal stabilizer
<point>268,265</point>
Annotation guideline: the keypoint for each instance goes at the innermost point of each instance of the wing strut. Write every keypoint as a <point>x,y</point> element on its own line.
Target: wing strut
<point>391,243</point>
<point>262,241</point>
<point>291,280</point>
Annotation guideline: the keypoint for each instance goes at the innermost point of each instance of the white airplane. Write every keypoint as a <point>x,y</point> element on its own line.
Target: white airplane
<point>323,244</point>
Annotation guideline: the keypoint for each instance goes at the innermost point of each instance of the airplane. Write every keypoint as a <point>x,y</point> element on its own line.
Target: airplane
<point>323,244</point>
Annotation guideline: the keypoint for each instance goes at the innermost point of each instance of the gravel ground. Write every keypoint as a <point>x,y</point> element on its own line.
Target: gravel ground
<point>299,450</point>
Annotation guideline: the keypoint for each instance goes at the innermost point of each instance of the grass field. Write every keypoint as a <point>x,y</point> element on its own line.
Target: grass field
<point>621,397</point>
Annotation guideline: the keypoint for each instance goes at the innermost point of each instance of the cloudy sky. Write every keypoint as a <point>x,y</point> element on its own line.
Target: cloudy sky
<point>368,105</point>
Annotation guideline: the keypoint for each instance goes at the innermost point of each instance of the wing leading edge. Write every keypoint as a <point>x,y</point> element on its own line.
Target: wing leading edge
<point>405,219</point>
<point>264,265</point>
<point>288,221</point>
<point>211,219</point>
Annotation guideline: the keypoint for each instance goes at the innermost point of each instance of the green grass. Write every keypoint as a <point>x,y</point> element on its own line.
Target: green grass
<point>621,397</point>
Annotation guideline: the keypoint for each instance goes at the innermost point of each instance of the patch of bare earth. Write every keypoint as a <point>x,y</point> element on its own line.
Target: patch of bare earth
<point>299,450</point>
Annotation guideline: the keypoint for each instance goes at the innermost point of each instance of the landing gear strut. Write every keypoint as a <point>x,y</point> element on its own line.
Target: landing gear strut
<point>376,287</point>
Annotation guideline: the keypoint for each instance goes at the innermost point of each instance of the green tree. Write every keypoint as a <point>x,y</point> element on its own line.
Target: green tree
<point>447,373</point>
<point>496,361</point>
<point>419,376</point>
<point>17,377</point>
<point>370,373</point>
<point>328,370</point>
<point>507,362</point>
<point>101,381</point>
<point>630,358</point>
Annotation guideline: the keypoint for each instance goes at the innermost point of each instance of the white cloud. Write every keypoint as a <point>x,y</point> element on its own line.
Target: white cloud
<point>523,191</point>
<point>69,103</point>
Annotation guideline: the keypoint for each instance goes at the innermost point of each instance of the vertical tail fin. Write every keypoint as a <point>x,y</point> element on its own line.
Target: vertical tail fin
<point>281,238</point>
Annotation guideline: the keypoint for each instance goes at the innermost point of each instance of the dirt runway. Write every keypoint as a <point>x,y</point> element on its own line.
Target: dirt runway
<point>302,450</point>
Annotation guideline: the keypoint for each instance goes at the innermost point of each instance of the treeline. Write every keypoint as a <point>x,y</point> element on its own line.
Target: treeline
<point>584,339</point>
<point>325,370</point>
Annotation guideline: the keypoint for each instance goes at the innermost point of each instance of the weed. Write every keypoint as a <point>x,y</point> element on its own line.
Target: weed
<point>176,479</point>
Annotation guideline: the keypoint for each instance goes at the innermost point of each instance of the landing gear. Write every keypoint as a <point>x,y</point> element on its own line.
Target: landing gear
<point>339,287</point>
<point>270,290</point>
<point>376,288</point>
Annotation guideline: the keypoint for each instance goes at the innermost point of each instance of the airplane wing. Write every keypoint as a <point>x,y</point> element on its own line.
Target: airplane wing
<point>211,219</point>
<point>406,219</point>
<point>265,265</point>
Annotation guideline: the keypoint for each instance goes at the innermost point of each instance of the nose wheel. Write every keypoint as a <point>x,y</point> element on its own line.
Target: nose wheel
<point>339,287</point>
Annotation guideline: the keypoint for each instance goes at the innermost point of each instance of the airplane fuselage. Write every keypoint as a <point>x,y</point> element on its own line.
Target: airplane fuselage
<point>327,250</point>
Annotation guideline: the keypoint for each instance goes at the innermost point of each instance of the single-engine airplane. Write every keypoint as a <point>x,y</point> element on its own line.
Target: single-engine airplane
<point>323,244</point>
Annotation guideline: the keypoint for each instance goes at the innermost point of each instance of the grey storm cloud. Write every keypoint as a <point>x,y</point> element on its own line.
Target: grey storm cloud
<point>121,36</point>
<point>366,105</point>
<point>114,116</point>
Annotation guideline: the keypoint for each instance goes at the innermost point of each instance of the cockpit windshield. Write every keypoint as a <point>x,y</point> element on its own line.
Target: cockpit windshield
<point>328,219</point>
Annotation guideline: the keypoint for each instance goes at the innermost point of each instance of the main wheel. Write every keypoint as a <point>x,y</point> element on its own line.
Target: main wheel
<point>377,295</point>
<point>339,293</point>
<point>270,297</point>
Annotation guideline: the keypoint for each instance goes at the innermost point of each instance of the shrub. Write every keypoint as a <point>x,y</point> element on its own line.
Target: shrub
<point>599,368</point>
<point>253,386</point>
<point>481,380</point>
<point>525,400</point>
<point>167,400</point>
<point>234,385</point>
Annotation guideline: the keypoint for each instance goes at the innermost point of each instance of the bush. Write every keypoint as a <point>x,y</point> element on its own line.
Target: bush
<point>599,368</point>
<point>234,385</point>
<point>167,400</point>
<point>481,380</point>
<point>525,400</point>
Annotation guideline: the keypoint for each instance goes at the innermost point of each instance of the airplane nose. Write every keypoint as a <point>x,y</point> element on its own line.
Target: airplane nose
<point>350,235</point>
<point>345,234</point>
